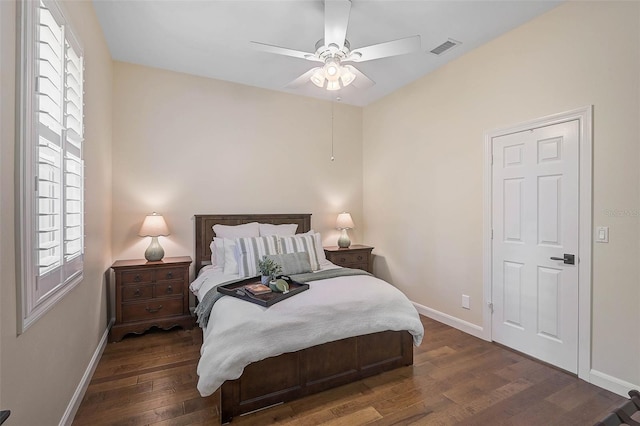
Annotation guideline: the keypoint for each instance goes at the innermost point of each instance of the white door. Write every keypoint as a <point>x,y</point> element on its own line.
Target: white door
<point>535,223</point>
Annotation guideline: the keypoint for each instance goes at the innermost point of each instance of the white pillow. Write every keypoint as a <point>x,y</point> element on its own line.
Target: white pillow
<point>237,231</point>
<point>230,263</point>
<point>302,243</point>
<point>251,250</point>
<point>214,259</point>
<point>217,252</point>
<point>267,229</point>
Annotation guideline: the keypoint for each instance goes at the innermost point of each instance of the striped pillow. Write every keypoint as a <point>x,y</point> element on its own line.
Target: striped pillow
<point>301,243</point>
<point>250,250</point>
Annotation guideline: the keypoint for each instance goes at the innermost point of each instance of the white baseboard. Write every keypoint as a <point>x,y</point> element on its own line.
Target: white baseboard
<point>598,378</point>
<point>76,399</point>
<point>611,383</point>
<point>462,325</point>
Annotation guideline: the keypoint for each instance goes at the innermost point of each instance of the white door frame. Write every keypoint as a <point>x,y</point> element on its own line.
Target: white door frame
<point>585,236</point>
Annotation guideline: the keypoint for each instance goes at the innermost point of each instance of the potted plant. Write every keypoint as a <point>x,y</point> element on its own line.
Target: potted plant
<point>269,269</point>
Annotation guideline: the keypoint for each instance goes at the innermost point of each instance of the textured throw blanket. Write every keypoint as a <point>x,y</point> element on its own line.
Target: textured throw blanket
<point>240,333</point>
<point>328,273</point>
<point>203,310</point>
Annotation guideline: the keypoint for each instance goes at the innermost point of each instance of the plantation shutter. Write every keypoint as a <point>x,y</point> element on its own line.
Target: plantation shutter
<point>59,168</point>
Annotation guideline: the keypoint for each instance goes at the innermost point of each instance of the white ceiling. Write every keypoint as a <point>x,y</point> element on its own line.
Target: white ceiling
<point>211,38</point>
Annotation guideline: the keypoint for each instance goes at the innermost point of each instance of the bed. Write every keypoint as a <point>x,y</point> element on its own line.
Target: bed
<point>297,373</point>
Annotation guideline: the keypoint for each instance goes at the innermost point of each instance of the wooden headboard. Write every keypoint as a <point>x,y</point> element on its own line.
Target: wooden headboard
<point>204,229</point>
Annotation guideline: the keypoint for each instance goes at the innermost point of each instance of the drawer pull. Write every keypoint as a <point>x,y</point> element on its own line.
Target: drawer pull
<point>137,292</point>
<point>360,257</point>
<point>342,259</point>
<point>169,275</point>
<point>137,278</point>
<point>169,290</point>
<point>153,310</point>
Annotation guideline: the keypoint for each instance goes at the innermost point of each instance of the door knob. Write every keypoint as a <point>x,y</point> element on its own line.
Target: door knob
<point>568,259</point>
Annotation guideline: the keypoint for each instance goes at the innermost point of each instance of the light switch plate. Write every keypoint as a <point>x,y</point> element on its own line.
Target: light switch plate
<point>466,302</point>
<point>602,234</point>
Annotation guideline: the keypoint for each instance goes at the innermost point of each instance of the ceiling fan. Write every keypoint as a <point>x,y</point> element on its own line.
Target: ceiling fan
<point>334,50</point>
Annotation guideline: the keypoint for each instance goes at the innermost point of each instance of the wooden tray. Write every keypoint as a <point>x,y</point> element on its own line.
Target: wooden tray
<point>267,299</point>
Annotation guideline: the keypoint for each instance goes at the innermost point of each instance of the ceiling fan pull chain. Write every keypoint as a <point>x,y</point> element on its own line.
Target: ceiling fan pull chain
<point>338,99</point>
<point>332,157</point>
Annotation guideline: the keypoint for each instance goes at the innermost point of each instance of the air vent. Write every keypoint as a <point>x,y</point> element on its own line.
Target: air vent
<point>447,45</point>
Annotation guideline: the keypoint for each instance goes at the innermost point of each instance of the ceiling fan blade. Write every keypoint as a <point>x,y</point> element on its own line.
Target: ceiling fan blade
<point>384,50</point>
<point>284,51</point>
<point>361,81</point>
<point>303,79</point>
<point>336,20</point>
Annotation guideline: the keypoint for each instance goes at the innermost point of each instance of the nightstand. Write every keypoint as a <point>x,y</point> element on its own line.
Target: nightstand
<point>355,256</point>
<point>151,294</point>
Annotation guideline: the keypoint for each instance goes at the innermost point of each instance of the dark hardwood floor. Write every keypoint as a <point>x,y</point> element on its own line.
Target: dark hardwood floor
<point>455,379</point>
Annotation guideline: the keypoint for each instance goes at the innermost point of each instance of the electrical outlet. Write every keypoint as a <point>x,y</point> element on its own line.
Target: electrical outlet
<point>466,302</point>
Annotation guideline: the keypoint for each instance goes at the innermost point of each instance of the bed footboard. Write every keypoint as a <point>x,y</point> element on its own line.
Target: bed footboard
<point>296,374</point>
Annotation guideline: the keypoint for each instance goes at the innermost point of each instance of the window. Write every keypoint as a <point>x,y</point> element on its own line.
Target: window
<point>52,168</point>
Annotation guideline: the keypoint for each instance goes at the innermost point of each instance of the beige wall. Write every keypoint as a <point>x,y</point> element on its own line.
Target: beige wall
<point>41,368</point>
<point>428,139</point>
<point>185,145</point>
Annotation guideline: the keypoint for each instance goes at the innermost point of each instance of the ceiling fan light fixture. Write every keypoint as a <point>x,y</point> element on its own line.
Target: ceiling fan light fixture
<point>332,70</point>
<point>333,85</point>
<point>317,78</point>
<point>333,76</point>
<point>346,76</point>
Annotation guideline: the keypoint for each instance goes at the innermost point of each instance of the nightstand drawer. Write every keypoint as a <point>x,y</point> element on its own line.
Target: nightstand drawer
<point>133,277</point>
<point>151,309</point>
<point>168,289</point>
<point>168,274</point>
<point>362,265</point>
<point>137,292</point>
<point>351,258</point>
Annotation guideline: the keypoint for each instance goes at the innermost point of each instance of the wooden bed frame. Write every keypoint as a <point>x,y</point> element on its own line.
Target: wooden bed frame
<point>296,374</point>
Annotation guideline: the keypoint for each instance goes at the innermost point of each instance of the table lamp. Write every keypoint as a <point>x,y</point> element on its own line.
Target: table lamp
<point>343,223</point>
<point>154,226</point>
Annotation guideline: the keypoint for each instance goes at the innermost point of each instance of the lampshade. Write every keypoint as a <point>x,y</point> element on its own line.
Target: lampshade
<point>333,85</point>
<point>153,226</point>
<point>317,77</point>
<point>344,221</point>
<point>332,70</point>
<point>347,76</point>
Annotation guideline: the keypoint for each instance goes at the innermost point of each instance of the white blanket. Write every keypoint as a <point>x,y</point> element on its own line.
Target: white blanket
<point>240,332</point>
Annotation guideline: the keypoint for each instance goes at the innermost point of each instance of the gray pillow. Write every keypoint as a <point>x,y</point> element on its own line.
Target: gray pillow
<point>292,263</point>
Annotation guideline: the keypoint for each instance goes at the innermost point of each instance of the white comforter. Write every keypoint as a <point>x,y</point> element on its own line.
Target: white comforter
<point>240,332</point>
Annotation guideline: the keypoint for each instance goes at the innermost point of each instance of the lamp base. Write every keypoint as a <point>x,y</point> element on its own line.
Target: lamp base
<point>154,252</point>
<point>344,241</point>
